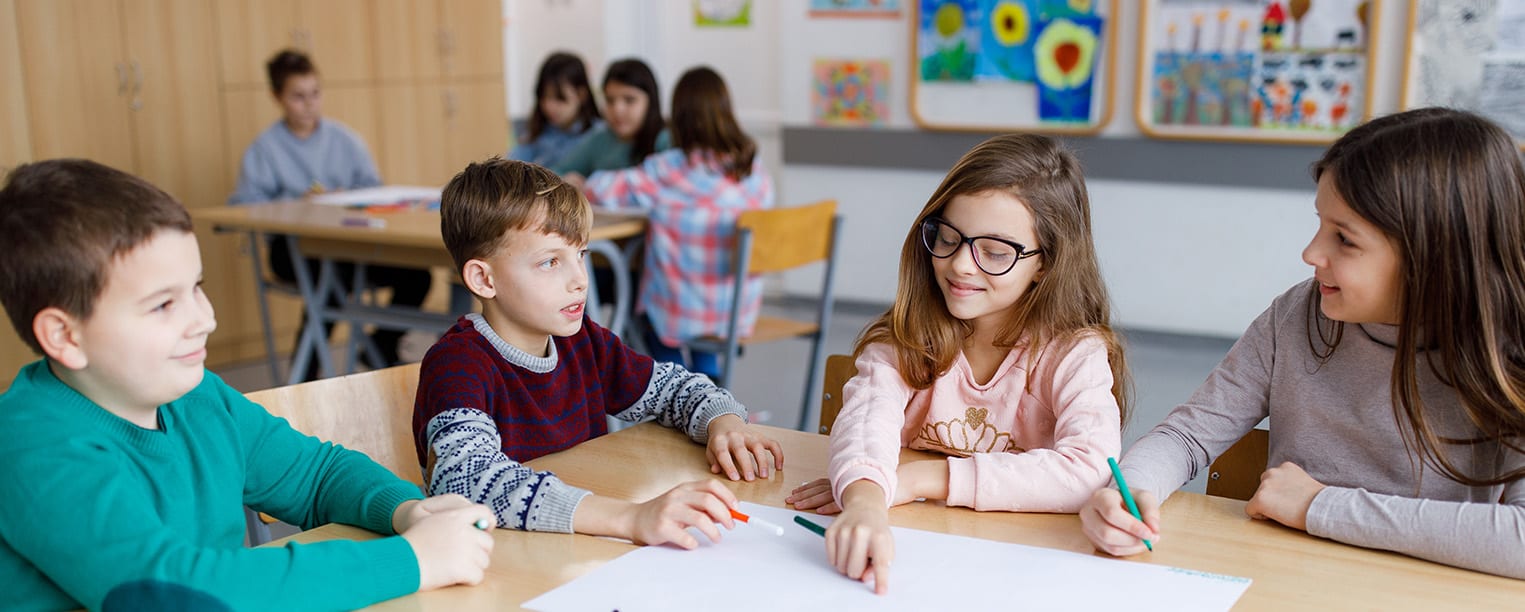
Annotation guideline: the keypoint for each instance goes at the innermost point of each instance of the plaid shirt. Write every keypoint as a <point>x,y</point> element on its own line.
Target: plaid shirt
<point>686,287</point>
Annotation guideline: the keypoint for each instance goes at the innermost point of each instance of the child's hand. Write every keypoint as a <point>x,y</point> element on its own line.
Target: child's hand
<point>449,546</point>
<point>814,495</point>
<point>739,451</point>
<point>699,504</point>
<point>410,512</point>
<point>1112,529</point>
<point>859,543</point>
<point>1285,494</point>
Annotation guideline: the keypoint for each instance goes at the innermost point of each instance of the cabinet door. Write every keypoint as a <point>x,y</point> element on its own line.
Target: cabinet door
<point>250,33</point>
<point>412,147</point>
<point>15,134</point>
<point>409,41</point>
<point>76,80</point>
<point>340,35</point>
<point>477,121</point>
<point>473,38</point>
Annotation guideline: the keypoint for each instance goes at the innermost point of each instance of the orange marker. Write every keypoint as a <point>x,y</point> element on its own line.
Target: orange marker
<point>778,531</point>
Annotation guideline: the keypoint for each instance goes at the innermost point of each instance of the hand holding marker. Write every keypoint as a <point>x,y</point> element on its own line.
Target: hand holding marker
<point>757,522</point>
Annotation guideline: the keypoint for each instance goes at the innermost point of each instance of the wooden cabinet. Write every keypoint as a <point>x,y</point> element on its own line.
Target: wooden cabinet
<point>15,132</point>
<point>476,126</point>
<point>409,41</point>
<point>336,33</point>
<point>473,31</point>
<point>77,78</point>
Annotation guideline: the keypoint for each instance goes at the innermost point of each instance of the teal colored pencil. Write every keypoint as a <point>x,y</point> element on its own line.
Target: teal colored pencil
<point>819,530</point>
<point>1122,485</point>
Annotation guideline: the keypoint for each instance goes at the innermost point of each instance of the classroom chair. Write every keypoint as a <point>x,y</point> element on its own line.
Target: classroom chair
<point>772,241</point>
<point>839,370</point>
<point>371,412</point>
<point>1236,473</point>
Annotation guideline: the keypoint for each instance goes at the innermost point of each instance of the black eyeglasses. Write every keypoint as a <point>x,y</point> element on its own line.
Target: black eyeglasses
<point>993,256</point>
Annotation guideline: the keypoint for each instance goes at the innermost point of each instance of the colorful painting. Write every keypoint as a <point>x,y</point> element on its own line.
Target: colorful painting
<point>723,13</point>
<point>949,40</point>
<point>850,92</point>
<point>854,8</point>
<point>1006,40</point>
<point>1257,67</point>
<point>1065,58</point>
<point>1469,54</point>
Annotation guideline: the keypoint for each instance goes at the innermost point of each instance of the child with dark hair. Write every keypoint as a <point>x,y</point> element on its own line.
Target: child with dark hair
<point>127,463</point>
<point>564,111</point>
<point>634,128</point>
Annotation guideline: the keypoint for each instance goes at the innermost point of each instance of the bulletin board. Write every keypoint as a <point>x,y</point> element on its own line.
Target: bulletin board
<point>1255,70</point>
<point>1005,65</point>
<point>1468,54</point>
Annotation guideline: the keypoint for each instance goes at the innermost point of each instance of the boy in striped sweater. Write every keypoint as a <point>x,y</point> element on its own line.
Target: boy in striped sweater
<point>531,375</point>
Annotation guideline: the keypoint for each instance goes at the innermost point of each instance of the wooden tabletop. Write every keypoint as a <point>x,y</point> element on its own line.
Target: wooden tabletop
<point>1290,569</point>
<point>408,237</point>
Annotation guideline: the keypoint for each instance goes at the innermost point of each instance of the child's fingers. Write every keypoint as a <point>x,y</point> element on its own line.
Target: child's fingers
<point>810,488</point>
<point>813,501</point>
<point>727,466</point>
<point>831,508</point>
<point>761,455</point>
<point>716,509</point>
<point>881,573</point>
<point>857,558</point>
<point>698,519</point>
<point>744,460</point>
<point>718,490</point>
<point>1149,507</point>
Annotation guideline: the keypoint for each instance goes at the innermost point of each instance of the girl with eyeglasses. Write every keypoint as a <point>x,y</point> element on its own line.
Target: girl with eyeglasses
<point>998,352</point>
<point>1394,378</point>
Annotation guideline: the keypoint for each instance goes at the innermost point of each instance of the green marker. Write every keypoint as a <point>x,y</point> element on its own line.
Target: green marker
<point>1122,485</point>
<point>819,530</point>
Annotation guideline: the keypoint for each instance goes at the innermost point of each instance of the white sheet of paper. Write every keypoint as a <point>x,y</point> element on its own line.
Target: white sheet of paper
<point>752,569</point>
<point>385,194</point>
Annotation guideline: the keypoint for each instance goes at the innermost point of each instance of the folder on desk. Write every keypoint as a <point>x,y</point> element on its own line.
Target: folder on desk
<point>379,199</point>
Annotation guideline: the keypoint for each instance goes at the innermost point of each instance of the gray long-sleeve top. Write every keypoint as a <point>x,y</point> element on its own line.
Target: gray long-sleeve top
<point>1336,421</point>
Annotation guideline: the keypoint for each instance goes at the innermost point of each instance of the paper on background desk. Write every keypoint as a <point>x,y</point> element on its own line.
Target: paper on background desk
<point>752,569</point>
<point>386,194</point>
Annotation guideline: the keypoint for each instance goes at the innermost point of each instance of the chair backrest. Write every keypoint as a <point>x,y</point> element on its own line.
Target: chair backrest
<point>786,238</point>
<point>371,412</point>
<point>1236,473</point>
<point>839,370</point>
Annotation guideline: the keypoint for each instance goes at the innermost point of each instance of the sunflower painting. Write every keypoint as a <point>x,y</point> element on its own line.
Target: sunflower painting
<point>1006,40</point>
<point>949,40</point>
<point>1065,55</point>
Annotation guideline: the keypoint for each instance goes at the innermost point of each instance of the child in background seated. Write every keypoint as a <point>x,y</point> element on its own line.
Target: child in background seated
<point>126,462</point>
<point>998,351</point>
<point>531,375</point>
<point>1394,378</point>
<point>693,193</point>
<point>635,129</point>
<point>564,111</point>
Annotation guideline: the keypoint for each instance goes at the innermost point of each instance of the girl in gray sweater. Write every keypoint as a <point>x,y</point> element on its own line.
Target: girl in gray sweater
<point>1395,378</point>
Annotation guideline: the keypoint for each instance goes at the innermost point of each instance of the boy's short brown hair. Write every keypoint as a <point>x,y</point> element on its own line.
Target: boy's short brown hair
<point>490,198</point>
<point>62,222</point>
<point>286,64</point>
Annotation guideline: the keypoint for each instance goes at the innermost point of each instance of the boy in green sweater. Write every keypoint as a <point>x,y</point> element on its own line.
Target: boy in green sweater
<point>126,461</point>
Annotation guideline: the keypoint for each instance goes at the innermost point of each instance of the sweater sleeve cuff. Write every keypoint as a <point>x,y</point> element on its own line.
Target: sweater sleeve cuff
<point>718,405</point>
<point>554,506</point>
<point>886,481</point>
<point>392,571</point>
<point>1321,511</point>
<point>961,479</point>
<point>378,516</point>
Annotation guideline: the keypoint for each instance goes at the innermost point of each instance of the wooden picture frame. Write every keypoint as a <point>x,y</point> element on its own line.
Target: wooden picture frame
<point>1467,55</point>
<point>1267,71</point>
<point>1044,66</point>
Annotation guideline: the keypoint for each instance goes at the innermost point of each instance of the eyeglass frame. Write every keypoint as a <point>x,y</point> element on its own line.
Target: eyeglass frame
<point>1021,249</point>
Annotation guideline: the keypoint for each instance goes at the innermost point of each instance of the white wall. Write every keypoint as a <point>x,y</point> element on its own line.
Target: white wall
<point>1177,257</point>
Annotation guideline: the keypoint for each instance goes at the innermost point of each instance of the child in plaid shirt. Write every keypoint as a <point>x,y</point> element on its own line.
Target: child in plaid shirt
<point>693,192</point>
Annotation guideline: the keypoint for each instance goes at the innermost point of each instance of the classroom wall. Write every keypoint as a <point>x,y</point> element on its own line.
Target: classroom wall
<point>1186,254</point>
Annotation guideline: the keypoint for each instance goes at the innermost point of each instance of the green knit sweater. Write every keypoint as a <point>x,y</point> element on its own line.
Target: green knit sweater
<point>89,501</point>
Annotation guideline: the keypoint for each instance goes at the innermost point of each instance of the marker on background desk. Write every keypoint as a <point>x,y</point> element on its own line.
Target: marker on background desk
<point>757,522</point>
<point>1122,485</point>
<point>370,222</point>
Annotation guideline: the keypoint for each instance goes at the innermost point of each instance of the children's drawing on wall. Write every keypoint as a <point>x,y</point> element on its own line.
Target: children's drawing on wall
<point>723,13</point>
<point>850,92</point>
<point>1065,56</point>
<point>949,41</point>
<point>1296,66</point>
<point>1470,54</point>
<point>854,8</point>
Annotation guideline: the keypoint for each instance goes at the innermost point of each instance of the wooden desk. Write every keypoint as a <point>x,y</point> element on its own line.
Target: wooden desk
<point>1291,570</point>
<point>408,238</point>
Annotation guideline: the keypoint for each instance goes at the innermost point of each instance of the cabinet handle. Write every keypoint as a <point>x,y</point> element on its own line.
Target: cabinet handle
<point>450,105</point>
<point>121,78</point>
<point>137,85</point>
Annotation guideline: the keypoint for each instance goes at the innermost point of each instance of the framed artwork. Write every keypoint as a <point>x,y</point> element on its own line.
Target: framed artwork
<point>1468,54</point>
<point>723,13</point>
<point>855,8</point>
<point>1003,65</point>
<point>850,92</point>
<point>1255,70</point>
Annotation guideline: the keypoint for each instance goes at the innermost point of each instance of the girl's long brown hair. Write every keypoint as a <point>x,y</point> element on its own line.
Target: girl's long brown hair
<point>1069,302</point>
<point>703,124</point>
<point>1448,188</point>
